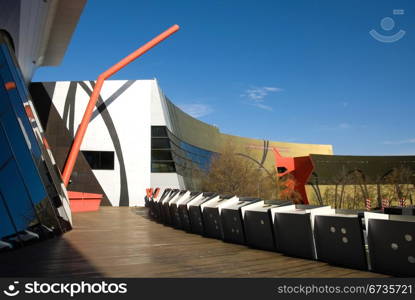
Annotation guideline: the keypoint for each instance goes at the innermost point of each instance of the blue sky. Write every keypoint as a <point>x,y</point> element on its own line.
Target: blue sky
<point>295,71</point>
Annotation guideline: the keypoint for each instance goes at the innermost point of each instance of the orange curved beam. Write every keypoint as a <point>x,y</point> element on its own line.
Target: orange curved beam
<point>76,146</point>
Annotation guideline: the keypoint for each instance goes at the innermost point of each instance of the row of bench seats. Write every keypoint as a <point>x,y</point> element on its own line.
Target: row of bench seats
<point>382,241</point>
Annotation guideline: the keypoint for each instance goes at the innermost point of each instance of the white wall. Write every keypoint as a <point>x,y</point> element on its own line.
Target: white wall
<point>159,114</point>
<point>166,180</point>
<point>133,113</point>
<point>130,113</point>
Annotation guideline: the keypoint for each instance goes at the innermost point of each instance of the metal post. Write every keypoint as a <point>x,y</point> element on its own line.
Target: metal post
<point>76,146</point>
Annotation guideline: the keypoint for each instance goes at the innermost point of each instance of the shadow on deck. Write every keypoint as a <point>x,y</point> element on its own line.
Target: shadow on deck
<point>123,242</point>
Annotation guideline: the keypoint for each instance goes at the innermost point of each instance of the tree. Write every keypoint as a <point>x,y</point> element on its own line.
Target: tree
<point>233,173</point>
<point>398,185</point>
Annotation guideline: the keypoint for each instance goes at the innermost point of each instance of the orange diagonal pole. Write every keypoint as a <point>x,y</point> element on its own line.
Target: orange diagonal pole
<point>76,146</point>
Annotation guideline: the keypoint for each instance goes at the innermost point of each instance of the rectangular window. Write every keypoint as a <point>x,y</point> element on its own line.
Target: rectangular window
<point>158,131</point>
<point>161,155</point>
<point>160,143</point>
<point>100,160</point>
<point>170,154</point>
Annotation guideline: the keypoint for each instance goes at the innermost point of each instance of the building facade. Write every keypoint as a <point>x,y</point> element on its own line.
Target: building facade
<point>138,138</point>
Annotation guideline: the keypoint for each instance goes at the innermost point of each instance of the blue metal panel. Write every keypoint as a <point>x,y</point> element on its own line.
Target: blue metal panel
<point>7,227</point>
<point>19,96</point>
<point>18,200</point>
<point>20,143</point>
<point>30,186</point>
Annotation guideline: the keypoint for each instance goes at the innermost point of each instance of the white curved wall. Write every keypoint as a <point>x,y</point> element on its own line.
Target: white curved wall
<point>133,107</point>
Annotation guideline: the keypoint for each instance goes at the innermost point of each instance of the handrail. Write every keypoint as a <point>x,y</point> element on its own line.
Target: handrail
<point>76,146</point>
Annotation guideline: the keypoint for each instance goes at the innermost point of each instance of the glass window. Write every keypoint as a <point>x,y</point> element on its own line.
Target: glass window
<point>161,155</point>
<point>281,169</point>
<point>180,155</point>
<point>158,131</point>
<point>100,160</point>
<point>160,143</point>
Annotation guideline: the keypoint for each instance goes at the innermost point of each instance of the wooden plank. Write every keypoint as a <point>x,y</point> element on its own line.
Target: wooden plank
<point>123,242</point>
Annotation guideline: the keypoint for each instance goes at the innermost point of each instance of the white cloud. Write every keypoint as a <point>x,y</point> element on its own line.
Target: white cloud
<point>262,106</point>
<point>257,95</point>
<point>196,110</point>
<point>260,93</point>
<point>401,142</point>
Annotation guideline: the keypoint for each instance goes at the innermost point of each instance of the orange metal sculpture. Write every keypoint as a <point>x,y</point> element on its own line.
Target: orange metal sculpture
<point>299,167</point>
<point>76,146</point>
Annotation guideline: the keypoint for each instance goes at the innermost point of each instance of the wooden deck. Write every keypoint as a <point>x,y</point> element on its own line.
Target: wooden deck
<point>123,242</point>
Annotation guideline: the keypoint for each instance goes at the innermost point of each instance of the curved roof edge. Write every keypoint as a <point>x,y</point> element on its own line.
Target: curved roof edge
<point>319,148</point>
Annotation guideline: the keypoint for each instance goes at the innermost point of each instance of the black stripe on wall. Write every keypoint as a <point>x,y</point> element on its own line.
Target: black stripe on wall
<point>60,140</point>
<point>102,108</point>
<point>69,108</point>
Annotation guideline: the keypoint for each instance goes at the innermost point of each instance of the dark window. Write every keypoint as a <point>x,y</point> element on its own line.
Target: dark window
<point>161,155</point>
<point>158,131</point>
<point>281,169</point>
<point>160,143</point>
<point>163,167</point>
<point>100,160</point>
<point>170,154</point>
